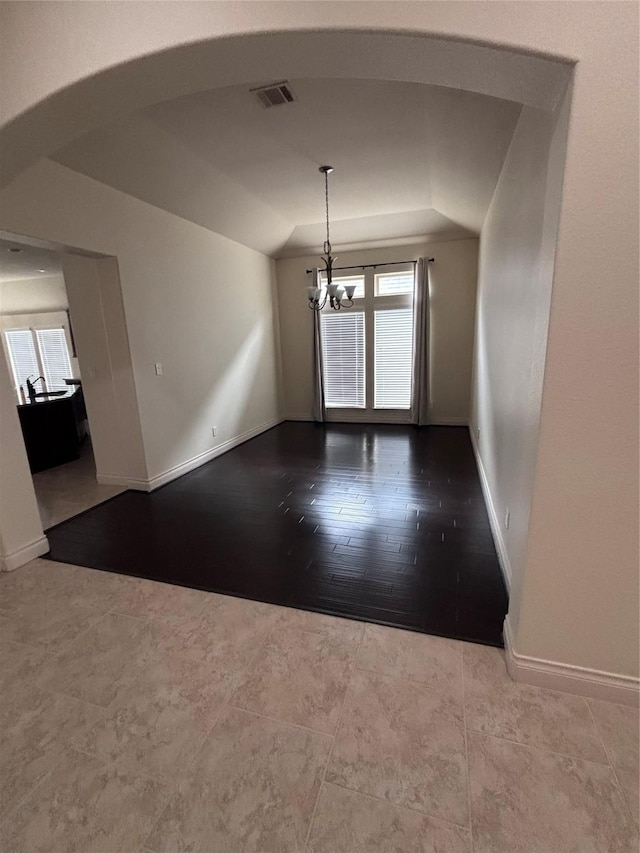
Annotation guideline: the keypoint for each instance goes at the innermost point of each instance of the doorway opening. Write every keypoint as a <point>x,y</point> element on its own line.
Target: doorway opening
<point>38,344</point>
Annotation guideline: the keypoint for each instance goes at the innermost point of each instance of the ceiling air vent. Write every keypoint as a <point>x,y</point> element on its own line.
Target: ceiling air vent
<point>275,94</point>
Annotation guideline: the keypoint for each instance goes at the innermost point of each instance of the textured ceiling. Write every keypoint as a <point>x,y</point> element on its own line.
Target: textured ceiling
<point>409,160</point>
<point>30,262</point>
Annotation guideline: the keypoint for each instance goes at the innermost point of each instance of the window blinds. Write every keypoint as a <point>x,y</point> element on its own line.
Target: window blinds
<point>54,353</point>
<point>394,283</point>
<point>22,355</point>
<point>343,359</point>
<point>393,360</point>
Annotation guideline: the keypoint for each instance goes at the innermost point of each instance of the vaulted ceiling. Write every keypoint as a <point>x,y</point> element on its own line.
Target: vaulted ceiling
<point>409,160</point>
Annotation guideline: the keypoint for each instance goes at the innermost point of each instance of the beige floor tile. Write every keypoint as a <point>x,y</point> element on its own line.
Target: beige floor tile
<point>497,705</point>
<point>253,790</point>
<point>35,726</point>
<point>51,623</point>
<point>153,600</point>
<point>403,742</point>
<point>299,677</point>
<point>319,623</point>
<point>347,822</point>
<point>103,661</point>
<point>21,664</point>
<point>420,657</point>
<point>85,807</point>
<point>36,581</point>
<point>91,587</point>
<point>226,632</point>
<point>157,726</point>
<point>619,728</point>
<point>526,800</point>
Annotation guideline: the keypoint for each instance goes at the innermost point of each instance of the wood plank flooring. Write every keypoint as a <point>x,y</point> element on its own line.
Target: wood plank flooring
<point>381,523</point>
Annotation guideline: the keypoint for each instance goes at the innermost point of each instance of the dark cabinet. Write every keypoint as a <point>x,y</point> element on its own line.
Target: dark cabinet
<point>52,429</point>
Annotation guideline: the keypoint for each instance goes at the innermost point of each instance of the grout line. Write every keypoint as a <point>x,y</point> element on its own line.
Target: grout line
<point>279,720</point>
<point>438,818</point>
<point>466,748</point>
<point>543,749</point>
<point>611,765</point>
<point>335,736</point>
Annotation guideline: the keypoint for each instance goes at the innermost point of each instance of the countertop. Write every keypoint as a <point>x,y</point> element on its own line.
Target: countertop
<point>52,399</point>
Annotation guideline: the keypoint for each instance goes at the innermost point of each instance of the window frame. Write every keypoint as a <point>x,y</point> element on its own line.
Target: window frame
<point>369,304</point>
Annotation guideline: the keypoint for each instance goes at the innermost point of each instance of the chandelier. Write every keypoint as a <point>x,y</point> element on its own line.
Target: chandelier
<point>335,293</point>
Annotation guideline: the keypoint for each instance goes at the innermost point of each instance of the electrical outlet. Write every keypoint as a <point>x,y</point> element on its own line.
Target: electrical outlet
<point>158,368</point>
<point>214,431</point>
<point>507,518</point>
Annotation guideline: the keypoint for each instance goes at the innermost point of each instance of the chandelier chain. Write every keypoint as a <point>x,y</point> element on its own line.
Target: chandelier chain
<point>326,198</point>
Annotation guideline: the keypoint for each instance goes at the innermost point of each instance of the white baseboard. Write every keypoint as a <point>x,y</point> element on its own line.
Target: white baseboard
<point>308,418</point>
<point>448,421</point>
<point>121,480</point>
<point>496,531</point>
<point>170,474</point>
<point>17,558</point>
<point>592,683</point>
<point>202,458</point>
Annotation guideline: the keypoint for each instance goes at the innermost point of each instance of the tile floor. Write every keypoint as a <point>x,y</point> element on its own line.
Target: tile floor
<point>146,718</point>
<point>66,490</point>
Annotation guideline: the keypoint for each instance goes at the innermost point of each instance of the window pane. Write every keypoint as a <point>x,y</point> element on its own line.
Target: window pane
<point>394,283</point>
<point>55,358</point>
<point>358,280</point>
<point>22,355</point>
<point>343,359</point>
<point>393,358</point>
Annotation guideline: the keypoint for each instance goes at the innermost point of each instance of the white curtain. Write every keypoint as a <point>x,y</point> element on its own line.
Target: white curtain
<point>420,402</point>
<point>318,377</point>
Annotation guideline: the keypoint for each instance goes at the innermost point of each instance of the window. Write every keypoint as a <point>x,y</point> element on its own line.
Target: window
<point>368,352</point>
<point>343,359</point>
<point>39,352</point>
<point>394,283</point>
<point>22,355</point>
<point>393,358</point>
<point>358,280</point>
<point>54,354</point>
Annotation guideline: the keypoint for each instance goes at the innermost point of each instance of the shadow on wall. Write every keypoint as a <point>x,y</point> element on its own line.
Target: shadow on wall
<point>235,391</point>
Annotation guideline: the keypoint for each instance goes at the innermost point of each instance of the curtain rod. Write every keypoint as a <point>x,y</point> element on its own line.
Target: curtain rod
<point>373,266</point>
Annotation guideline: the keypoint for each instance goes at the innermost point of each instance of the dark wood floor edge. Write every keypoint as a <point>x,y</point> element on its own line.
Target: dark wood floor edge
<point>326,611</point>
<point>140,492</point>
<point>494,523</point>
<point>91,508</point>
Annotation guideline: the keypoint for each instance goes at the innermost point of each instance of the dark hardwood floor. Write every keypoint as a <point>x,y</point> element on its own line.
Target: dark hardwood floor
<point>381,523</point>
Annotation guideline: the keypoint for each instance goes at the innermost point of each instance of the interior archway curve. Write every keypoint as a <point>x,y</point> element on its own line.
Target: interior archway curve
<point>260,58</point>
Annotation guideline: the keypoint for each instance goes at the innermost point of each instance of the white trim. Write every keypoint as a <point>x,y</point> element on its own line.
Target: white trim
<point>448,421</point>
<point>580,680</point>
<point>184,467</point>
<point>135,483</point>
<point>298,417</point>
<point>17,558</point>
<point>348,416</point>
<point>501,548</point>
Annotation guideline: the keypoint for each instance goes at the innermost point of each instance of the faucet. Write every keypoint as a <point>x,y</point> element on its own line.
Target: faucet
<point>31,391</point>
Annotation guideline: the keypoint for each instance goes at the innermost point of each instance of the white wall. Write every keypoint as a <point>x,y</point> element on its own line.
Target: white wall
<point>21,536</point>
<point>95,301</point>
<point>197,303</point>
<point>33,295</point>
<point>453,294</point>
<point>514,290</point>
